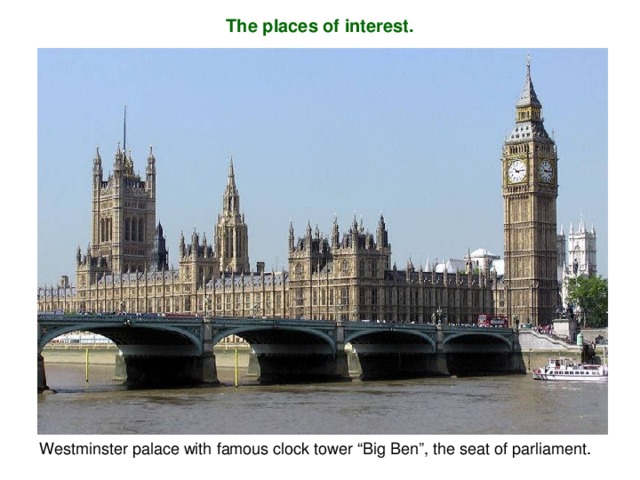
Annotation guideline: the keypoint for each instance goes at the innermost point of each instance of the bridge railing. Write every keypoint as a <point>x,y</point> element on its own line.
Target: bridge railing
<point>134,318</point>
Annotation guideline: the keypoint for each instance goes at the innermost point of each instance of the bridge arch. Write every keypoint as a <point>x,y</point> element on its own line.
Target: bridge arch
<point>362,336</point>
<point>257,335</point>
<point>287,351</point>
<point>126,335</point>
<point>490,339</point>
<point>479,352</point>
<point>156,352</point>
<point>388,351</point>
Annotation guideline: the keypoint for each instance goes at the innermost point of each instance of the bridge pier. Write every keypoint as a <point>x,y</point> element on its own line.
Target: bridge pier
<point>439,364</point>
<point>42,376</point>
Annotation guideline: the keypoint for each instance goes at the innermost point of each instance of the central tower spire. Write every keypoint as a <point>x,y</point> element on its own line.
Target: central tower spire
<point>231,199</point>
<point>232,238</point>
<point>124,134</point>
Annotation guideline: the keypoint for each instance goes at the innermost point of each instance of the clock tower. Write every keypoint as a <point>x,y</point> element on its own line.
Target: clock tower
<point>530,190</point>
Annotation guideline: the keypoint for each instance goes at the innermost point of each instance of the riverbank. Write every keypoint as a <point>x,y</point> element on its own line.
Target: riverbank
<point>537,348</point>
<point>72,354</point>
<point>107,355</point>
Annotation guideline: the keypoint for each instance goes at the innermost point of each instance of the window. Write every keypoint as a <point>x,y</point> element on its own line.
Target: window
<point>344,296</point>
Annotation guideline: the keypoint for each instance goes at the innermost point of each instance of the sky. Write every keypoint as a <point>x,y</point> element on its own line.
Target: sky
<point>414,134</point>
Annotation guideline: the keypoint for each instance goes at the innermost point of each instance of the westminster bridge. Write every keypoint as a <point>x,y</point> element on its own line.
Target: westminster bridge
<point>167,350</point>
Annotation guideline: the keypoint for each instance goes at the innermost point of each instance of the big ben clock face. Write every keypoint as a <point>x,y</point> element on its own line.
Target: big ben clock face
<point>517,171</point>
<point>546,171</point>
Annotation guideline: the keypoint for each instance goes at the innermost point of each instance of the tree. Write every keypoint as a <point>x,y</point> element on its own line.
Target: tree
<point>591,294</point>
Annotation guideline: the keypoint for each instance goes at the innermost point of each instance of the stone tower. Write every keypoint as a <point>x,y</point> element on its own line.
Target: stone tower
<point>582,256</point>
<point>530,190</point>
<point>231,232</point>
<point>582,251</point>
<point>123,213</point>
<point>309,260</point>
<point>159,254</point>
<point>197,261</point>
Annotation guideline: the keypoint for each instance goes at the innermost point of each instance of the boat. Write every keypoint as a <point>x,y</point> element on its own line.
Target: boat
<point>563,369</point>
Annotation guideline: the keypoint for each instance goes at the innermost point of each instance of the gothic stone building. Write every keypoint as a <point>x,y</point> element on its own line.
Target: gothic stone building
<point>348,277</point>
<point>582,256</point>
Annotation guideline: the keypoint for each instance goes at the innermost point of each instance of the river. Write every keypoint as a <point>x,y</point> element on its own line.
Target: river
<point>432,406</point>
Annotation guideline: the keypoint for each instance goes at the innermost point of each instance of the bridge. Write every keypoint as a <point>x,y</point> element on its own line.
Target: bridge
<point>161,350</point>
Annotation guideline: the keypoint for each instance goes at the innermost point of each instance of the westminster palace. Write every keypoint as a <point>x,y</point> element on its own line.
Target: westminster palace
<point>346,276</point>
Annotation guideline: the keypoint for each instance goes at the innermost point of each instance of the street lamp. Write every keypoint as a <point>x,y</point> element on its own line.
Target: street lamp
<point>207,305</point>
<point>439,313</point>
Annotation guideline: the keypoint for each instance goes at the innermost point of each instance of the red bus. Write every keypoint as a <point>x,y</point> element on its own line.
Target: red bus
<point>487,320</point>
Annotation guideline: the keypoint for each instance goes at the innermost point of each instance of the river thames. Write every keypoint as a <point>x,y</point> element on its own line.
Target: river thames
<point>493,405</point>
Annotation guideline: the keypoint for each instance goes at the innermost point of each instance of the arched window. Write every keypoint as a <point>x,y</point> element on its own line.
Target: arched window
<point>299,298</point>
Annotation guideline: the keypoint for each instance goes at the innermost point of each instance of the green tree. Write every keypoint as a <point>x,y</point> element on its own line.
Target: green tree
<point>591,294</point>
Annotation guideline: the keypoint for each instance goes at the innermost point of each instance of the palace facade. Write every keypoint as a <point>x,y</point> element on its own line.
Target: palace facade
<point>348,275</point>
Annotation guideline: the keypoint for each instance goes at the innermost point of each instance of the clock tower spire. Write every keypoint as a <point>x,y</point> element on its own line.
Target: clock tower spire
<point>529,191</point>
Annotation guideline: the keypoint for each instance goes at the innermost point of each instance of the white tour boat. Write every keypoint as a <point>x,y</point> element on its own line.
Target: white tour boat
<point>566,369</point>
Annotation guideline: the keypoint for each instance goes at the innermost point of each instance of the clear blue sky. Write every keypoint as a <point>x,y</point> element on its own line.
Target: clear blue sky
<point>413,133</point>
